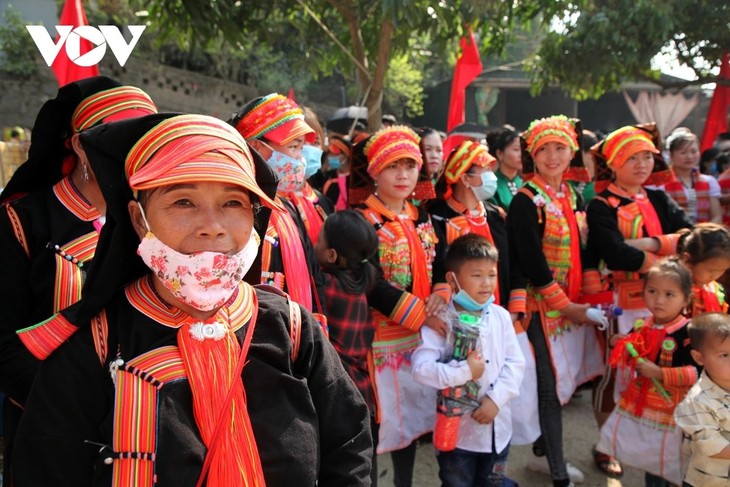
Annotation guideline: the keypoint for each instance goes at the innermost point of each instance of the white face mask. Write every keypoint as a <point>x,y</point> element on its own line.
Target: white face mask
<point>202,280</point>
<point>488,187</point>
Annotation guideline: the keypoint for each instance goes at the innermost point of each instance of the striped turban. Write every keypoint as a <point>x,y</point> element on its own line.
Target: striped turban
<point>112,105</point>
<point>623,143</point>
<point>467,154</point>
<point>192,148</point>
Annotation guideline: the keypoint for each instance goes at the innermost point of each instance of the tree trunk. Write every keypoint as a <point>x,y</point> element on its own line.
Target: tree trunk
<point>349,14</point>
<point>374,100</point>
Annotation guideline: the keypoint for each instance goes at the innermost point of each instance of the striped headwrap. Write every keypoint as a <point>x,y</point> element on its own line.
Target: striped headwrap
<point>390,145</point>
<point>111,105</point>
<point>275,117</point>
<point>557,128</point>
<point>623,143</point>
<point>338,146</point>
<point>467,154</point>
<point>192,148</point>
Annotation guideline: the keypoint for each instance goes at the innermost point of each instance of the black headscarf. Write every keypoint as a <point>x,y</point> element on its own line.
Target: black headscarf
<point>51,130</point>
<point>116,262</point>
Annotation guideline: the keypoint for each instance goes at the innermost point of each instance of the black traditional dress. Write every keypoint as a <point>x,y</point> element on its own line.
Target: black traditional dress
<point>114,401</point>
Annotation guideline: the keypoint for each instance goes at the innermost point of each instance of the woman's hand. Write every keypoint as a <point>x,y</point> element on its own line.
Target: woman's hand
<point>435,304</point>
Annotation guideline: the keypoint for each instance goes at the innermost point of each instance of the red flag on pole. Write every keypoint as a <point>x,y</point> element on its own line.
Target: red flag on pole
<point>468,67</point>
<point>66,71</point>
<point>716,122</point>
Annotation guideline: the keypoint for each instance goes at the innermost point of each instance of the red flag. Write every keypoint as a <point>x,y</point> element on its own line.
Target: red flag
<point>717,113</point>
<point>66,71</point>
<point>468,67</point>
<point>290,95</point>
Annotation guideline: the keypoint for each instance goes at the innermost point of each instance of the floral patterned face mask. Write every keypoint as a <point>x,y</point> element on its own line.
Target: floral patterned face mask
<point>290,171</point>
<point>203,280</point>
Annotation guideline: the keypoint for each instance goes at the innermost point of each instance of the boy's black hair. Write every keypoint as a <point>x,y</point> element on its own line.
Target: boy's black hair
<point>354,239</point>
<point>672,268</point>
<point>708,324</point>
<point>469,247</point>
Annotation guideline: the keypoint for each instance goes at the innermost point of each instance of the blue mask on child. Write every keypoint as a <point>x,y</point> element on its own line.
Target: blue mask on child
<point>463,299</point>
<point>334,162</point>
<point>313,155</point>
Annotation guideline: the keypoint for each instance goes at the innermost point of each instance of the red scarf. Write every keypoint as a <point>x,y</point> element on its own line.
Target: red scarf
<point>575,275</point>
<point>305,203</point>
<point>213,367</point>
<point>293,258</point>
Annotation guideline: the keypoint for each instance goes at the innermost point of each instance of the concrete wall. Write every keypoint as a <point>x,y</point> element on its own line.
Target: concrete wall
<point>172,89</point>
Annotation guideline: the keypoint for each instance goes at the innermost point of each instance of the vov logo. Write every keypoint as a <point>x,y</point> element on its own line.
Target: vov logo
<point>71,37</point>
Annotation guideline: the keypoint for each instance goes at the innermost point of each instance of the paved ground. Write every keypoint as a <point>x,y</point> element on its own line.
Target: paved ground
<point>579,431</point>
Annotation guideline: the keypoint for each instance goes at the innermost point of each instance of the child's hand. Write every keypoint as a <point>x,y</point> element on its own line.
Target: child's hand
<point>485,413</point>
<point>476,364</point>
<point>436,324</point>
<point>613,340</point>
<point>648,369</point>
<point>435,304</point>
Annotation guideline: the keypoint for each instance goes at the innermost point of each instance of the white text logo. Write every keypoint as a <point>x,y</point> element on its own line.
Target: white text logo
<point>71,37</point>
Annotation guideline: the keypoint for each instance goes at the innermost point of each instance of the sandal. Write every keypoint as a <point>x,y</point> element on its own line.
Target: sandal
<point>607,464</point>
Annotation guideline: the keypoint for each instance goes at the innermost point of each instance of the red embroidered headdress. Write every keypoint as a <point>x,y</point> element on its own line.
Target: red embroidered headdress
<point>557,128</point>
<point>467,154</point>
<point>390,145</point>
<point>275,117</point>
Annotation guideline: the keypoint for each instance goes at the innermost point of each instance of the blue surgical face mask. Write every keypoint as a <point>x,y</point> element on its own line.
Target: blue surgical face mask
<point>487,188</point>
<point>334,162</point>
<point>463,299</point>
<point>313,155</point>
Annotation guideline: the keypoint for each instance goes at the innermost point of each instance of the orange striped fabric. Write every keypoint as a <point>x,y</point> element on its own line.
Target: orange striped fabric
<point>70,260</point>
<point>70,197</point>
<point>112,103</point>
<point>43,338</point>
<point>213,368</point>
<point>134,439</point>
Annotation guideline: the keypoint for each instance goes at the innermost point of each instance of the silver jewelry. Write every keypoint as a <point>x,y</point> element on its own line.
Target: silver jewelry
<point>85,171</point>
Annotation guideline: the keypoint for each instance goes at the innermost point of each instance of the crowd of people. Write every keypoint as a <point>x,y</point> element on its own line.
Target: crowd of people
<point>259,302</point>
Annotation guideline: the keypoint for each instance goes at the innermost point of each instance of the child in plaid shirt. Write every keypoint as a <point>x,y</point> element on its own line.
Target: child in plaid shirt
<point>346,244</point>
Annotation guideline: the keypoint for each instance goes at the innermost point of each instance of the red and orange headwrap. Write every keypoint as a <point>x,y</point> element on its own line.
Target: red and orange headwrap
<point>275,117</point>
<point>392,144</point>
<point>557,128</point>
<point>338,145</point>
<point>192,148</point>
<point>467,154</point>
<point>623,143</point>
<point>111,105</point>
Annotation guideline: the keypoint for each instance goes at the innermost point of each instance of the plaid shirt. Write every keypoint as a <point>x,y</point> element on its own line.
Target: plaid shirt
<point>351,329</point>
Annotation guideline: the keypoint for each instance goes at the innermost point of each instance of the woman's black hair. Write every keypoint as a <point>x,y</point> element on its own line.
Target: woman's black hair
<point>500,139</point>
<point>355,240</point>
